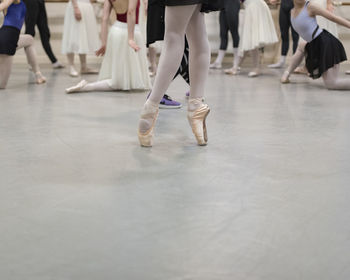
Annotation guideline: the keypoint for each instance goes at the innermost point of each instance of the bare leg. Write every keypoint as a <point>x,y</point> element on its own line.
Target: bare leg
<point>72,71</point>
<point>256,63</point>
<point>297,58</point>
<point>27,42</point>
<point>332,81</point>
<point>5,69</point>
<point>84,86</point>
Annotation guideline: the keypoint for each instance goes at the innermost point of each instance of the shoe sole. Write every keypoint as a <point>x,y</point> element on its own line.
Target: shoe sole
<point>162,106</point>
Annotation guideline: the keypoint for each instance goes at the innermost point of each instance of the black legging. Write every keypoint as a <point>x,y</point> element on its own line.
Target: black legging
<point>36,15</point>
<point>229,21</point>
<point>285,24</point>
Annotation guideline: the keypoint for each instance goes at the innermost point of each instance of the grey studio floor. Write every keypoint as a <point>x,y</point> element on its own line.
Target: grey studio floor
<point>267,199</point>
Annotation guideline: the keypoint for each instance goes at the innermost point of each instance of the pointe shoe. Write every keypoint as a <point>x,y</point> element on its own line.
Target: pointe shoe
<point>216,65</point>
<point>232,71</point>
<point>347,72</point>
<point>77,87</point>
<point>197,120</point>
<point>72,72</point>
<point>40,79</point>
<point>88,71</point>
<point>146,138</point>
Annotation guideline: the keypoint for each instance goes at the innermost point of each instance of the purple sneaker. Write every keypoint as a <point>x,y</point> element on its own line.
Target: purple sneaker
<point>168,103</point>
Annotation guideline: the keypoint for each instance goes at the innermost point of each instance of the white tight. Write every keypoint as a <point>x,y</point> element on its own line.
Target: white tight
<point>332,81</point>
<point>98,86</point>
<point>26,42</point>
<point>181,20</point>
<point>298,56</point>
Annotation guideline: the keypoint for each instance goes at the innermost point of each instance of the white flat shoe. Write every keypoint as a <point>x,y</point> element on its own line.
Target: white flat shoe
<point>232,71</point>
<point>215,65</point>
<point>72,72</point>
<point>253,74</point>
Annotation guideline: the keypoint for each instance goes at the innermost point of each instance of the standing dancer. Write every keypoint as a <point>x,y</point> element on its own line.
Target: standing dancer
<point>182,17</point>
<point>11,40</point>
<point>80,35</point>
<point>258,31</point>
<point>285,25</point>
<point>122,68</point>
<point>229,21</point>
<point>323,51</point>
<point>36,15</point>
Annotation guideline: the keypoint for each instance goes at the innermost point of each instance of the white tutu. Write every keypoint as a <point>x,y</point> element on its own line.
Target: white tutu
<point>80,37</point>
<point>124,68</point>
<point>330,26</point>
<point>258,27</point>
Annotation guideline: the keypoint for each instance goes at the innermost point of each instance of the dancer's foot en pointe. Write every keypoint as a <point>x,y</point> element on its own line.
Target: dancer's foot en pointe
<point>197,115</point>
<point>147,122</point>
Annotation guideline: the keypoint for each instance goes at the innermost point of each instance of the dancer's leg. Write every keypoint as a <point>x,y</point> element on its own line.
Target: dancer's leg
<point>256,63</point>
<point>5,69</point>
<point>45,32</point>
<point>199,54</point>
<point>184,67</point>
<point>27,42</point>
<point>152,55</point>
<point>84,86</point>
<point>284,21</point>
<point>223,41</point>
<point>332,81</point>
<point>177,18</point>
<point>84,69</point>
<point>71,68</point>
<point>295,62</point>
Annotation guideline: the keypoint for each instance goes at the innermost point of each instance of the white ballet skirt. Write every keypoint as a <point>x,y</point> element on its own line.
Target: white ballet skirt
<point>330,26</point>
<point>80,37</point>
<point>122,67</point>
<point>258,27</point>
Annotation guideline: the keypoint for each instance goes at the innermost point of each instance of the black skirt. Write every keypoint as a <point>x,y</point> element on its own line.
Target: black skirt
<point>207,5</point>
<point>155,22</point>
<point>323,53</point>
<point>9,37</point>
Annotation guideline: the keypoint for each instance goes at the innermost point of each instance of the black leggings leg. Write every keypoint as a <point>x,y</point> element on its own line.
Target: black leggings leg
<point>184,70</point>
<point>229,21</point>
<point>285,25</point>
<point>36,15</point>
<point>232,8</point>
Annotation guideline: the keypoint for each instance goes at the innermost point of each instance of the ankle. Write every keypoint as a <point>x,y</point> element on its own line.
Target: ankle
<point>194,103</point>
